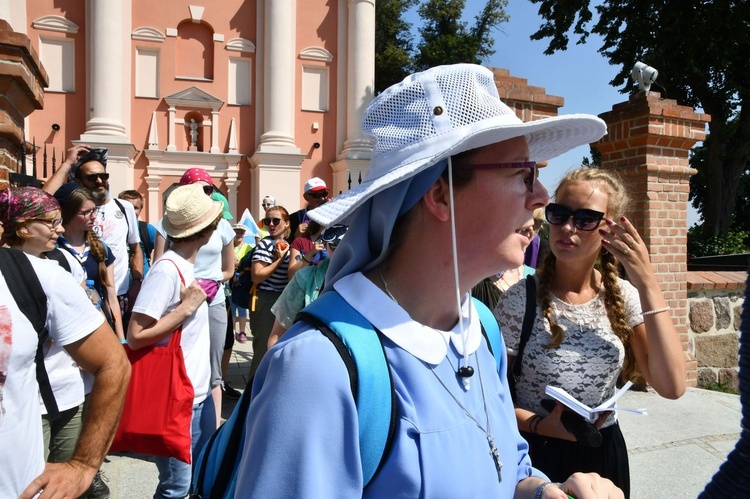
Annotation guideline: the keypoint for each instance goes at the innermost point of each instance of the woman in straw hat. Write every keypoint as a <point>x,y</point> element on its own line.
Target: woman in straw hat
<point>170,296</point>
<point>449,159</point>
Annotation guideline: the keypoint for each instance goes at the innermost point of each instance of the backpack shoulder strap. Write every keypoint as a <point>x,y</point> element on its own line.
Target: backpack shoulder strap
<point>122,209</point>
<point>57,255</point>
<point>30,298</point>
<point>490,330</point>
<point>143,233</point>
<point>361,348</point>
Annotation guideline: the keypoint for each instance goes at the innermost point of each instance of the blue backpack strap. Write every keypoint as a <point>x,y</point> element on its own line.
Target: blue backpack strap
<point>372,386</point>
<point>491,331</point>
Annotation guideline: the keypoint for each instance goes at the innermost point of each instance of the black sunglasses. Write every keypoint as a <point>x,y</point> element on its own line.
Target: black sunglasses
<point>318,195</point>
<point>531,165</point>
<point>271,221</point>
<point>583,219</point>
<point>93,176</point>
<point>208,189</point>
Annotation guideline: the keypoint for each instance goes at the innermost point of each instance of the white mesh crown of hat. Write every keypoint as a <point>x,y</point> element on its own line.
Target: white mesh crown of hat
<point>441,112</point>
<point>189,211</point>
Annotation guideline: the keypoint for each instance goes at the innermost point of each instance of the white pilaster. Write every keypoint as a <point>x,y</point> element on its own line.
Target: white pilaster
<point>14,11</point>
<point>107,36</point>
<point>170,137</point>
<point>360,76</point>
<point>153,201</point>
<point>215,131</point>
<point>278,76</point>
<point>233,183</point>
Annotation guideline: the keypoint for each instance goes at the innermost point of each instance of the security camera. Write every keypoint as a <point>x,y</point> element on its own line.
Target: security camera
<point>55,127</point>
<point>644,75</point>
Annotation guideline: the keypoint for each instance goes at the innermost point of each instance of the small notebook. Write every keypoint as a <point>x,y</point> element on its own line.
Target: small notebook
<point>591,414</point>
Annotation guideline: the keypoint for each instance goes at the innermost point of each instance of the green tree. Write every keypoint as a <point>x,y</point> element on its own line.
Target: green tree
<point>448,40</point>
<point>393,42</point>
<point>701,52</point>
<point>444,38</point>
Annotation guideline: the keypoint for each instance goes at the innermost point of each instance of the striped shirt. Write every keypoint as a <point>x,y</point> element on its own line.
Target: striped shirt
<point>265,252</point>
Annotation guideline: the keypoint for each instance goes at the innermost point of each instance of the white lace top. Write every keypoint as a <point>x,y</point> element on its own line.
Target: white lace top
<point>588,361</point>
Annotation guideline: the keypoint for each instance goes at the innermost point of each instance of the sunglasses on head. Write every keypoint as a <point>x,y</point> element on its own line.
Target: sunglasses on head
<point>583,219</point>
<point>93,176</point>
<point>531,165</point>
<point>271,221</point>
<point>318,195</point>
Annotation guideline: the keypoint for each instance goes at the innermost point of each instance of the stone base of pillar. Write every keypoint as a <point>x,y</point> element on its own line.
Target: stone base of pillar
<point>98,128</point>
<point>356,149</point>
<point>276,175</point>
<point>348,173</point>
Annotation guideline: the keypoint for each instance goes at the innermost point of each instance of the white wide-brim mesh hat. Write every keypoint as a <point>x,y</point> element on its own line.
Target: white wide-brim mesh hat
<point>441,112</point>
<point>189,211</point>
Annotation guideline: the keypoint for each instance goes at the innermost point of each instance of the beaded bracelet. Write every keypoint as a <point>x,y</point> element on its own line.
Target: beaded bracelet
<point>540,489</point>
<point>657,311</point>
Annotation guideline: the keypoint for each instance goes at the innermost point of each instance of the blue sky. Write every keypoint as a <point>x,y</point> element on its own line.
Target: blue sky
<point>580,74</point>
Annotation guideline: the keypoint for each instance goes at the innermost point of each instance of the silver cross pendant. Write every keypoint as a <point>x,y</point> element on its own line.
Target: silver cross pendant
<point>496,457</point>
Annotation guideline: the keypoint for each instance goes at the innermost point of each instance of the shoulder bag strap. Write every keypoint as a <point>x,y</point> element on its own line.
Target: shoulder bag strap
<point>528,322</point>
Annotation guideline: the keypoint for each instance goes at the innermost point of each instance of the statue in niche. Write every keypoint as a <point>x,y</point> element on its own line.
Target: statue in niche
<point>193,132</point>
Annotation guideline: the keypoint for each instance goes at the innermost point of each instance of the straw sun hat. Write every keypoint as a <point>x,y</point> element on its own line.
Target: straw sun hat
<point>189,210</point>
<point>439,113</point>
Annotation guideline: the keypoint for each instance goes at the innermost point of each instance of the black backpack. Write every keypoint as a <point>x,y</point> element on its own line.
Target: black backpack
<point>29,295</point>
<point>242,282</point>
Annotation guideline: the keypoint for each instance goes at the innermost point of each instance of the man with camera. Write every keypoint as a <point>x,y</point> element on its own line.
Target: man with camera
<point>116,222</point>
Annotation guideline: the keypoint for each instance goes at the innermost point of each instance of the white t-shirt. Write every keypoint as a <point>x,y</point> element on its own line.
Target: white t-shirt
<point>208,260</point>
<point>70,317</point>
<point>159,295</point>
<point>111,227</point>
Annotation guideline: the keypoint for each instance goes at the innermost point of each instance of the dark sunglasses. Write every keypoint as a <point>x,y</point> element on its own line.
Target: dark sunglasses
<point>93,176</point>
<point>318,195</point>
<point>271,221</point>
<point>531,165</point>
<point>208,189</point>
<point>583,219</point>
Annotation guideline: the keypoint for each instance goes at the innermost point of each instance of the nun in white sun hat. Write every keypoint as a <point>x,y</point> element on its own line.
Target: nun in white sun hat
<point>448,200</point>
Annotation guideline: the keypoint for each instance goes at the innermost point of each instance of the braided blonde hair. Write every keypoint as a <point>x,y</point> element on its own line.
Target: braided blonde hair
<point>618,202</point>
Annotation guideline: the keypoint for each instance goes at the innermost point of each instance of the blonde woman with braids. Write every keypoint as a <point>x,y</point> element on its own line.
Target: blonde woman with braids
<point>78,215</point>
<point>591,327</point>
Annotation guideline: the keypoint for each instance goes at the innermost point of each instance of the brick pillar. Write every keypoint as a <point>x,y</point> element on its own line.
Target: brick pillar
<point>22,79</point>
<point>530,103</point>
<point>648,144</point>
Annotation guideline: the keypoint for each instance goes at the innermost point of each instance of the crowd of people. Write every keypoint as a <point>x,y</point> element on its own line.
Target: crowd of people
<point>451,207</point>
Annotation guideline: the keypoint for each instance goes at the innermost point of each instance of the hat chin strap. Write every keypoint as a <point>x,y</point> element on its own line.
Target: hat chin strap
<point>464,334</point>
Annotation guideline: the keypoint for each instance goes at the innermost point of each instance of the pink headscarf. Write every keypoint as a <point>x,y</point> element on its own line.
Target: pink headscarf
<point>24,203</point>
<point>195,175</point>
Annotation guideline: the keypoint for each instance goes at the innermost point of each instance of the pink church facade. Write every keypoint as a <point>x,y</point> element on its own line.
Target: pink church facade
<point>262,94</point>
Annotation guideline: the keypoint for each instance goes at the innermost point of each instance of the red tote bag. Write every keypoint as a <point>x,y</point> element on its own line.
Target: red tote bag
<point>158,407</point>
